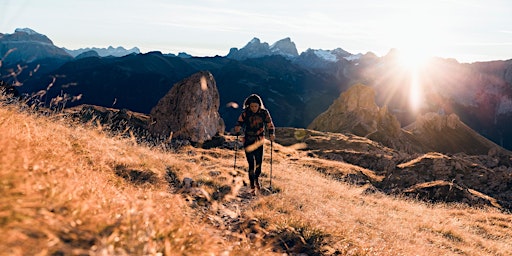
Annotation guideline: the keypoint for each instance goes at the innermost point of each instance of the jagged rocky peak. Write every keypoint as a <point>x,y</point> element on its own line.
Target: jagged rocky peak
<point>253,49</point>
<point>356,112</point>
<point>284,47</point>
<point>190,110</point>
<point>256,49</point>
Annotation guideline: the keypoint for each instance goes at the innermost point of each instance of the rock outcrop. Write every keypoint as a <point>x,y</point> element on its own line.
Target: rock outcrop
<point>189,110</point>
<point>476,178</point>
<point>435,177</point>
<point>356,112</point>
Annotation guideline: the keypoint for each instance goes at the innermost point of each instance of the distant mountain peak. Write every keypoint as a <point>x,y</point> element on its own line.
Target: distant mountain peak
<point>26,30</point>
<point>254,41</point>
<point>256,49</point>
<point>311,58</point>
<point>253,49</point>
<point>26,45</point>
<point>284,47</point>
<point>25,35</point>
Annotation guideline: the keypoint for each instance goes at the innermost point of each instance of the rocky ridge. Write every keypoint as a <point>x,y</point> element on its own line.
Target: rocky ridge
<point>26,45</point>
<point>104,52</point>
<point>356,112</point>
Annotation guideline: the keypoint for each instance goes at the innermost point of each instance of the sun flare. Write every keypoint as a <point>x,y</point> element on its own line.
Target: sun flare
<point>415,93</point>
<point>417,36</point>
<point>412,59</point>
<point>413,62</point>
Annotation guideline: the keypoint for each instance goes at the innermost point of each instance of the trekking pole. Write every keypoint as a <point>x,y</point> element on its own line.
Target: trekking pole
<point>236,149</point>
<point>271,143</point>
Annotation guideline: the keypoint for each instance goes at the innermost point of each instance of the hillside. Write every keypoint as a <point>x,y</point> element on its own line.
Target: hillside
<point>71,188</point>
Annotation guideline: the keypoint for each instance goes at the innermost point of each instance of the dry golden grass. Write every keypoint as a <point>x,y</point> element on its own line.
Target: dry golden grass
<point>60,194</point>
<point>71,189</point>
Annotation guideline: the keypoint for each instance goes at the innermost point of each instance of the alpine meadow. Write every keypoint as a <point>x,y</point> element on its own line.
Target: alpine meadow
<point>75,188</point>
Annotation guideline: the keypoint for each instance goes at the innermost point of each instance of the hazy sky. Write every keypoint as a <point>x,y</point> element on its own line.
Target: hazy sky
<point>468,30</point>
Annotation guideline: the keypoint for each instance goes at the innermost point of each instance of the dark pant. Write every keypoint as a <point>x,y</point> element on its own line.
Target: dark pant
<point>254,158</point>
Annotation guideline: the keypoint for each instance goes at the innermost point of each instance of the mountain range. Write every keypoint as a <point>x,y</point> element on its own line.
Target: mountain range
<point>296,88</point>
<point>104,52</point>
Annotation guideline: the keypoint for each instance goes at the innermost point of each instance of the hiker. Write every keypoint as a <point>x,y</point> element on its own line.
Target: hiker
<point>253,119</point>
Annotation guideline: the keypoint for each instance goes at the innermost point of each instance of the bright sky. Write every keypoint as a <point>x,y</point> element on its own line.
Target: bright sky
<point>467,30</point>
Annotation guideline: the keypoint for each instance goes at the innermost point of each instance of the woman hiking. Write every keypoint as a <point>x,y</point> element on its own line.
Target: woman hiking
<point>253,119</point>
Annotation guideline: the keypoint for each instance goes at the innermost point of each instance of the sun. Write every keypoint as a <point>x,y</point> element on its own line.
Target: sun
<point>413,63</point>
<point>414,54</point>
<point>412,59</point>
<point>417,36</point>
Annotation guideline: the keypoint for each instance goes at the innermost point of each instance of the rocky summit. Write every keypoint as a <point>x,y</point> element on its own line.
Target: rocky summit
<point>356,112</point>
<point>190,110</point>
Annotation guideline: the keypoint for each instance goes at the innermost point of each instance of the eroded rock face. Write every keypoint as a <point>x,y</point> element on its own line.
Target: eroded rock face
<point>190,110</point>
<point>355,112</point>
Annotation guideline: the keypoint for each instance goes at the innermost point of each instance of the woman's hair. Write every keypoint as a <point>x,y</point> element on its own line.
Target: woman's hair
<point>253,98</point>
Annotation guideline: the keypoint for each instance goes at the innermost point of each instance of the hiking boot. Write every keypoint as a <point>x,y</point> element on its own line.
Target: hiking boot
<point>257,183</point>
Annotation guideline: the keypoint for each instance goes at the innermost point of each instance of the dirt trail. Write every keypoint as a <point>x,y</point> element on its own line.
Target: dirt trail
<point>221,196</point>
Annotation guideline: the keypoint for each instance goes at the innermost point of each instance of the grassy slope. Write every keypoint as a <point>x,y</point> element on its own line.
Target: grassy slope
<point>71,189</point>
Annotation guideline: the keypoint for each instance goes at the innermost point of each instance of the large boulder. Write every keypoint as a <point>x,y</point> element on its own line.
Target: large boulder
<point>190,110</point>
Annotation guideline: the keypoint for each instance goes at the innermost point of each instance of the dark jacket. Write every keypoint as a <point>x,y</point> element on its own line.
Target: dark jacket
<point>254,124</point>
